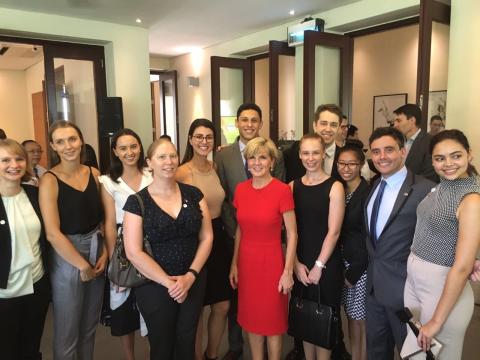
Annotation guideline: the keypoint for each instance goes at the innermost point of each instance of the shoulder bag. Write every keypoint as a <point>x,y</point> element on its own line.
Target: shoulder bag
<point>120,270</point>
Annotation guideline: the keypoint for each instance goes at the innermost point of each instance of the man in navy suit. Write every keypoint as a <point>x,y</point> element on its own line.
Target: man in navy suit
<point>390,219</point>
<point>407,120</point>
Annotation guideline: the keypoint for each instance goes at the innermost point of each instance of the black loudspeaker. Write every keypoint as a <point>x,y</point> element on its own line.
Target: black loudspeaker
<point>110,115</point>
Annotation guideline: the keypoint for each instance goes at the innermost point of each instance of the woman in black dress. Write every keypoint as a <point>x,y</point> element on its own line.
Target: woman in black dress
<point>319,208</point>
<point>354,251</point>
<point>178,226</point>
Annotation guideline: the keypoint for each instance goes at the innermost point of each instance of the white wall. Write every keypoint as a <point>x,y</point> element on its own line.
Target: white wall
<point>159,63</point>
<point>14,116</point>
<point>126,56</point>
<point>262,93</point>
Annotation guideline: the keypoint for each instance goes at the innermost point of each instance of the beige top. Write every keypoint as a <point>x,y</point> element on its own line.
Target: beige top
<point>209,185</point>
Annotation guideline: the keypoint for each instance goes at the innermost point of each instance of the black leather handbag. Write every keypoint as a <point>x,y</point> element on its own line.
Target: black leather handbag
<point>121,271</point>
<point>312,321</point>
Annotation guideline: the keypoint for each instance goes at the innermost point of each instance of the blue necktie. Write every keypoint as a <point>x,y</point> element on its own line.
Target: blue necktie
<point>375,208</point>
<point>247,172</point>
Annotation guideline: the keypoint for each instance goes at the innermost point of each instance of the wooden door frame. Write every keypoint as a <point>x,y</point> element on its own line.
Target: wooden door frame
<point>217,62</point>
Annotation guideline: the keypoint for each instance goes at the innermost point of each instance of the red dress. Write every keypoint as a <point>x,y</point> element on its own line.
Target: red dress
<point>261,308</point>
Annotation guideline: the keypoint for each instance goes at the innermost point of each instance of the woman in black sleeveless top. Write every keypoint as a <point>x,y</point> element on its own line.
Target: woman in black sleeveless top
<point>71,207</point>
<point>319,209</point>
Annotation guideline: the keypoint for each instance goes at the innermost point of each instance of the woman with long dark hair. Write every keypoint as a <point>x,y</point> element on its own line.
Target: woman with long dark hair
<point>447,237</point>
<point>72,212</point>
<point>24,287</point>
<point>199,171</point>
<point>127,176</point>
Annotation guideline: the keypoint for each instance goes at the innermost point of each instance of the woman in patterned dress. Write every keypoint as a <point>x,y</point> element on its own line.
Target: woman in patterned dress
<point>354,251</point>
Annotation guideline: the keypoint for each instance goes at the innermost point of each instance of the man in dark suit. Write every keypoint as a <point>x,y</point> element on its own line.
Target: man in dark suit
<point>232,170</point>
<point>407,120</point>
<point>390,220</point>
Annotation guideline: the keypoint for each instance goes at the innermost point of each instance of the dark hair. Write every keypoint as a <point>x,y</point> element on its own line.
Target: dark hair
<point>351,130</point>
<point>25,142</point>
<point>14,147</point>
<point>435,117</point>
<point>387,131</point>
<point>355,142</point>
<point>410,110</point>
<point>457,136</point>
<point>354,148</point>
<point>193,126</point>
<point>328,107</point>
<point>89,158</point>
<point>2,134</point>
<point>312,136</point>
<point>249,106</point>
<point>116,166</point>
<point>61,124</point>
<point>165,136</point>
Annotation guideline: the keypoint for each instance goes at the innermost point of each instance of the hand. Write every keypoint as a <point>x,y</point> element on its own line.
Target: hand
<point>475,274</point>
<point>347,284</point>
<point>87,273</point>
<point>426,333</point>
<point>285,283</point>
<point>233,276</point>
<point>183,283</point>
<point>101,263</point>
<point>301,271</point>
<point>314,274</point>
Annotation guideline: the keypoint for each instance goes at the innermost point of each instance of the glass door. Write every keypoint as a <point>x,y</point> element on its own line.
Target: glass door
<point>231,87</point>
<point>75,83</point>
<point>282,91</point>
<point>327,73</point>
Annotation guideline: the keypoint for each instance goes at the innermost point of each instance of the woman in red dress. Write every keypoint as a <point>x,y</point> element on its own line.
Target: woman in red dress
<point>259,270</point>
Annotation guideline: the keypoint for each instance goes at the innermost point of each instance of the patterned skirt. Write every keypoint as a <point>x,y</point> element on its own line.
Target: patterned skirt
<point>353,299</point>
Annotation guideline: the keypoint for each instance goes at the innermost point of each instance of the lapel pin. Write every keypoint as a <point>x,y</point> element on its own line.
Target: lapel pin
<point>2,222</point>
<point>405,194</point>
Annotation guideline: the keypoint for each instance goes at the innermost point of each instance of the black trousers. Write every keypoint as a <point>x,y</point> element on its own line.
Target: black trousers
<point>21,323</point>
<point>171,326</point>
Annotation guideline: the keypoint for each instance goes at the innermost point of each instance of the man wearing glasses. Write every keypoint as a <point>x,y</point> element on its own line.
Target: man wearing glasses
<point>34,152</point>
<point>341,137</point>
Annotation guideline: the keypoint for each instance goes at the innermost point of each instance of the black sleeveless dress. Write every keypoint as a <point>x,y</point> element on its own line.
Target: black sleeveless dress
<point>312,203</point>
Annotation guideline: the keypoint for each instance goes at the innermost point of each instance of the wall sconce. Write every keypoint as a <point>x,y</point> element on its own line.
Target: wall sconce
<point>193,81</point>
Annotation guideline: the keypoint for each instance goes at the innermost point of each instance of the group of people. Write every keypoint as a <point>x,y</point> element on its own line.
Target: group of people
<point>239,233</point>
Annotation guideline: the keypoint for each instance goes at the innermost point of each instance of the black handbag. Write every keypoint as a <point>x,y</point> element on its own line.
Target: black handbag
<point>121,271</point>
<point>312,321</point>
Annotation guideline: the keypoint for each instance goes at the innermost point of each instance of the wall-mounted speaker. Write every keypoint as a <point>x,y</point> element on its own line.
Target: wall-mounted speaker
<point>110,115</point>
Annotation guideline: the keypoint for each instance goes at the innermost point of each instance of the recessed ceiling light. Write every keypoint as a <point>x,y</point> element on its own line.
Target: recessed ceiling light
<point>292,12</point>
<point>138,21</point>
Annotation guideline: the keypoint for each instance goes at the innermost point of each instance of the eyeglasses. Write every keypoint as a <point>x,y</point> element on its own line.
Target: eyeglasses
<point>200,138</point>
<point>351,165</point>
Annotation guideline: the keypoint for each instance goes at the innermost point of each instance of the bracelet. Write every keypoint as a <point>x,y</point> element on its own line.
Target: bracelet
<point>319,264</point>
<point>194,272</point>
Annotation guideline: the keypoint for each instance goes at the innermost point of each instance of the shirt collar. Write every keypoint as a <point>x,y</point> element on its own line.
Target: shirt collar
<point>414,136</point>
<point>241,145</point>
<point>330,151</point>
<point>396,178</point>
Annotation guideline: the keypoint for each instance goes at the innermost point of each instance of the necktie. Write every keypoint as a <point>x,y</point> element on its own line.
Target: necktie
<point>247,172</point>
<point>375,208</point>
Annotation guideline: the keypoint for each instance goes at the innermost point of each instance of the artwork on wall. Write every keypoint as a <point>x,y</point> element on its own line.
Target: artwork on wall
<point>437,104</point>
<point>383,107</point>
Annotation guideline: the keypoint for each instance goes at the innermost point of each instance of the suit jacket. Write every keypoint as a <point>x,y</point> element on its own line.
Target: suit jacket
<point>231,171</point>
<point>419,159</point>
<point>294,166</point>
<point>387,268</point>
<point>352,236</point>
<point>6,240</point>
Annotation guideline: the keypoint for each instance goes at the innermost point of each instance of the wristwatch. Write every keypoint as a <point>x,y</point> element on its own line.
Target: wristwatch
<point>319,264</point>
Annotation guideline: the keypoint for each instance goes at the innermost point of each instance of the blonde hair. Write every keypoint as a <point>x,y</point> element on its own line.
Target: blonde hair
<point>153,146</point>
<point>259,144</point>
<point>15,148</point>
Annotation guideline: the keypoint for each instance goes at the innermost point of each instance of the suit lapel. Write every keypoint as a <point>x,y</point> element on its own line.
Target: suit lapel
<point>415,145</point>
<point>238,161</point>
<point>365,209</point>
<point>402,197</point>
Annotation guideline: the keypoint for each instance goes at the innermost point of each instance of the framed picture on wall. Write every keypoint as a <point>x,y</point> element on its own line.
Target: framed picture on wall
<point>437,104</point>
<point>383,107</point>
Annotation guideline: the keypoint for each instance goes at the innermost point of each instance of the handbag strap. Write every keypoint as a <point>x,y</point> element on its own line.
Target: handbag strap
<point>140,202</point>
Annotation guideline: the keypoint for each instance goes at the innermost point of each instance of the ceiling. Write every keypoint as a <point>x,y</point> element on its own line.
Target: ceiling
<point>19,56</point>
<point>178,26</point>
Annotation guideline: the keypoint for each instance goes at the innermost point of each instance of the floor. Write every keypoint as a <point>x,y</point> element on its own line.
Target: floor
<point>107,347</point>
